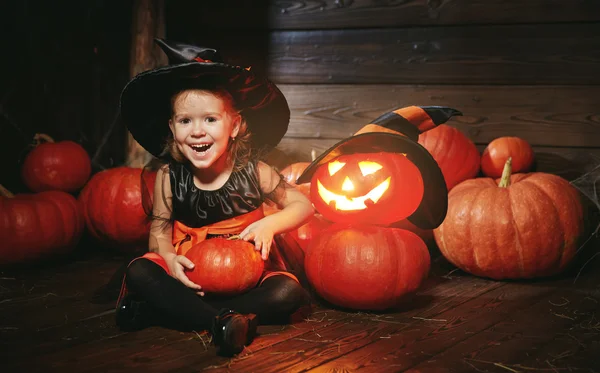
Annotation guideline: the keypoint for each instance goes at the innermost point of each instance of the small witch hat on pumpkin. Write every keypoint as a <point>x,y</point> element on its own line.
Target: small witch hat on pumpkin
<point>398,132</point>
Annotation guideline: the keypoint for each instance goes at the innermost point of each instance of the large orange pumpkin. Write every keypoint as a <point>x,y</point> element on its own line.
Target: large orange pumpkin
<point>521,226</point>
<point>499,150</point>
<point>361,188</point>
<point>225,266</point>
<point>366,267</point>
<point>113,208</point>
<point>63,165</point>
<point>38,226</point>
<point>454,152</point>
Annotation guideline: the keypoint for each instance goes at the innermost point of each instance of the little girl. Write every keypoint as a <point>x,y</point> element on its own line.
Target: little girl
<point>209,121</point>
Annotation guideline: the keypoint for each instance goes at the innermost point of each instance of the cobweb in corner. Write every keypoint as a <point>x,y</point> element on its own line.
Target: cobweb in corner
<point>589,186</point>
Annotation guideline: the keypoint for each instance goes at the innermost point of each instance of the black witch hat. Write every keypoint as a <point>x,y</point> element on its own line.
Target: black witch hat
<point>146,99</point>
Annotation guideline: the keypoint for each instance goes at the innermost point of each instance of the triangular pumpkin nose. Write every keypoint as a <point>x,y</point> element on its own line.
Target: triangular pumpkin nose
<point>347,185</point>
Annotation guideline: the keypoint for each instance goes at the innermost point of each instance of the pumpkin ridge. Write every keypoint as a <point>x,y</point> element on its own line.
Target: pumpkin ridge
<point>397,236</point>
<point>58,211</point>
<point>518,245</point>
<point>554,183</point>
<point>38,219</point>
<point>119,195</point>
<point>473,203</point>
<point>534,185</point>
<point>460,170</point>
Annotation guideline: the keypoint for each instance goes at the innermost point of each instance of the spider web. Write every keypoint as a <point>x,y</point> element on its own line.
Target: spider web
<point>588,185</point>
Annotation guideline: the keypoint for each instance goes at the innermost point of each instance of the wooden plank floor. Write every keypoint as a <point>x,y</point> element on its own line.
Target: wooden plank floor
<point>456,323</point>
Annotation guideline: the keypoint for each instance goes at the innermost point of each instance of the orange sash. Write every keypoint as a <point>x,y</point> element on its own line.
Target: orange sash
<point>185,237</point>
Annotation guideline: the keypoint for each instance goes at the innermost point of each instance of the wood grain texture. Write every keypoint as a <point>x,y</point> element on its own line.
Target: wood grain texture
<point>148,23</point>
<point>514,54</point>
<point>327,14</point>
<point>543,115</point>
<point>453,317</point>
<point>569,163</point>
<point>542,345</point>
<point>479,54</point>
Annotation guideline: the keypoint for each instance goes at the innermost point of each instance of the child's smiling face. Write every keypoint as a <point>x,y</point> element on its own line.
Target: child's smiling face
<point>202,124</point>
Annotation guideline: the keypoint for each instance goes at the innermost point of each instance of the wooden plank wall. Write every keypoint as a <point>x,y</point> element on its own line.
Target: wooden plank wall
<point>64,65</point>
<point>519,68</point>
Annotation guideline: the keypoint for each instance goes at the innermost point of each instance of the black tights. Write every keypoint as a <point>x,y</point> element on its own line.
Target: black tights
<point>275,299</point>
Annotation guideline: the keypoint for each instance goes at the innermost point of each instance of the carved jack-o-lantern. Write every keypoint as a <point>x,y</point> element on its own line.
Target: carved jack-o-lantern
<point>381,175</point>
<point>374,188</point>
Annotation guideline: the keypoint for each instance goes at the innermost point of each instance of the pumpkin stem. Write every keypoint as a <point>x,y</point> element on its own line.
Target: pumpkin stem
<point>38,137</point>
<point>234,237</point>
<point>505,179</point>
<point>5,192</point>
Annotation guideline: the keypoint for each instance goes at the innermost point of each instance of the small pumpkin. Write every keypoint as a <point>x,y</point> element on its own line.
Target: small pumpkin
<point>37,226</point>
<point>499,150</point>
<point>454,152</point>
<point>304,234</point>
<point>366,267</point>
<point>520,226</point>
<point>63,165</point>
<point>360,188</point>
<point>225,266</point>
<point>113,207</point>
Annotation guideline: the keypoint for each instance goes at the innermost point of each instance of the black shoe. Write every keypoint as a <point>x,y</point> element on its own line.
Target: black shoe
<point>232,331</point>
<point>132,315</point>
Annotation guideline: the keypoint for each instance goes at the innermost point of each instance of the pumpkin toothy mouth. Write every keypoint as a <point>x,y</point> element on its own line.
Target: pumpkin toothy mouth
<point>343,203</point>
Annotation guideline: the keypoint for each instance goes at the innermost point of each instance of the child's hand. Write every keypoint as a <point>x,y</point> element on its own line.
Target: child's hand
<point>262,235</point>
<point>177,265</point>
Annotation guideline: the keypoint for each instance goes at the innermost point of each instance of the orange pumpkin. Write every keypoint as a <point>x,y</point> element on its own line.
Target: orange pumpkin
<point>304,234</point>
<point>499,150</point>
<point>225,266</point>
<point>521,226</point>
<point>38,226</point>
<point>425,234</point>
<point>362,188</point>
<point>454,152</point>
<point>366,267</point>
<point>63,165</point>
<point>113,208</point>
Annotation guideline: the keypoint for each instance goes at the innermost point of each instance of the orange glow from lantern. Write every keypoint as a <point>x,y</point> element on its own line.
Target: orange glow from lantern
<point>347,185</point>
<point>334,167</point>
<point>367,167</point>
<point>344,203</point>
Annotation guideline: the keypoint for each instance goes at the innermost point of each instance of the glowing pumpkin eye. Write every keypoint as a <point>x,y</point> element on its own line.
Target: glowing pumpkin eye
<point>367,167</point>
<point>334,167</point>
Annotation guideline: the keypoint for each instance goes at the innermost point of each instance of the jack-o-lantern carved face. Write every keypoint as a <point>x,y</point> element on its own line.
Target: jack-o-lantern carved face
<point>373,188</point>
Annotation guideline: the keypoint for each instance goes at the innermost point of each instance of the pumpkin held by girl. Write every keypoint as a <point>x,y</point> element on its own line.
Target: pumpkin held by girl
<point>225,266</point>
<point>520,226</point>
